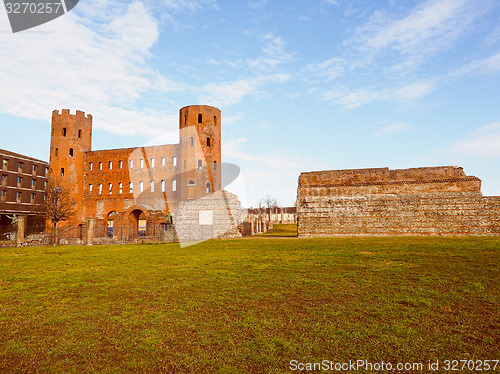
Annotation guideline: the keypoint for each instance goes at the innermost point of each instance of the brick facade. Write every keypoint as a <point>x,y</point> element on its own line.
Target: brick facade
<point>379,202</point>
<point>130,192</point>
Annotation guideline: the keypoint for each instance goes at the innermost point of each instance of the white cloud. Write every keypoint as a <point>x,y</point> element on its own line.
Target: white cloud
<point>95,65</point>
<point>327,70</point>
<point>431,26</point>
<point>489,65</point>
<point>484,142</point>
<point>350,99</point>
<point>230,93</point>
<point>273,54</point>
<point>393,129</point>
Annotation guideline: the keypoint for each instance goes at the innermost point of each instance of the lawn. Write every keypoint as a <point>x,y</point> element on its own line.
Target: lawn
<point>284,230</point>
<point>248,306</point>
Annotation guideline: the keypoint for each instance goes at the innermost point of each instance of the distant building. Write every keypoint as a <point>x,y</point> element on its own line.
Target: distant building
<point>22,192</point>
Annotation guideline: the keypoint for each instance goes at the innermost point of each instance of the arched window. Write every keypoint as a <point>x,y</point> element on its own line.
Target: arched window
<point>191,183</point>
<point>71,152</point>
<point>79,134</point>
<point>200,164</point>
<point>62,172</point>
<point>208,187</point>
<point>208,142</point>
<point>162,186</point>
<point>141,186</point>
<point>64,131</point>
<point>200,118</point>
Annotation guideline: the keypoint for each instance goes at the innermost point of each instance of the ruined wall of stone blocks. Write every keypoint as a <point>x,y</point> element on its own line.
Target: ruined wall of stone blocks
<point>383,202</point>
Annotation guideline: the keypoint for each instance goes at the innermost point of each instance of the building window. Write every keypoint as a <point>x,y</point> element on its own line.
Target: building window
<point>185,163</point>
<point>131,164</point>
<point>90,189</point>
<point>46,171</point>
<point>45,185</point>
<point>32,198</point>
<point>200,118</point>
<point>152,163</point>
<point>20,167</point>
<point>152,186</point>
<point>120,188</point>
<point>185,120</point>
<point>100,165</point>
<point>91,166</point>
<point>4,180</point>
<point>100,189</point>
<point>131,187</point>
<point>111,165</point>
<point>120,164</point>
<point>174,185</point>
<point>163,161</point>
<point>208,187</point>
<point>20,182</point>
<point>33,184</point>
<point>64,131</point>
<point>191,183</point>
<point>110,188</point>
<point>19,197</point>
<point>141,186</point>
<point>34,169</point>
<point>56,153</point>
<point>62,172</point>
<point>3,195</point>
<point>141,163</point>
<point>192,141</point>
<point>208,142</point>
<point>79,134</point>
<point>162,186</point>
<point>174,161</point>
<point>5,165</point>
<point>215,120</point>
<point>200,164</point>
<point>215,165</point>
<point>71,152</point>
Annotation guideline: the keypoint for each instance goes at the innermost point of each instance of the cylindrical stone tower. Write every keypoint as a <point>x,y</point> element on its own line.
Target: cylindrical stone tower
<point>200,151</point>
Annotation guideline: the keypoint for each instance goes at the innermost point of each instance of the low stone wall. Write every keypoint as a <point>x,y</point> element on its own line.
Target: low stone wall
<point>355,207</point>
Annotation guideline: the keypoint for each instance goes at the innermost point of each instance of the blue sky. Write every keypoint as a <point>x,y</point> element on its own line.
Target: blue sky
<point>302,85</point>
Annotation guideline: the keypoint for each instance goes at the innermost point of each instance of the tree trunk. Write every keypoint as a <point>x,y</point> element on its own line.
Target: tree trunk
<point>55,234</point>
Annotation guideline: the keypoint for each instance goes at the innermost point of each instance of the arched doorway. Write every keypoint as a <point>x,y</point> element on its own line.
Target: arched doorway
<point>138,222</point>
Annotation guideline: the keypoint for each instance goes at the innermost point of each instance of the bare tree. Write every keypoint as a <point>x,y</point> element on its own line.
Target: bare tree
<point>267,204</point>
<point>59,206</point>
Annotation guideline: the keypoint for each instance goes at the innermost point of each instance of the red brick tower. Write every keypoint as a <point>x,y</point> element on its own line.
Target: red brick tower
<point>200,151</point>
<point>71,137</point>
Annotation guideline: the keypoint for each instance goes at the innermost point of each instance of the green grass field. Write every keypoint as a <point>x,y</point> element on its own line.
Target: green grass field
<point>283,230</point>
<point>248,306</point>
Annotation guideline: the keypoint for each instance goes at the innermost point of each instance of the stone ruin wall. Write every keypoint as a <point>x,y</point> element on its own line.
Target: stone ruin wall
<point>384,202</point>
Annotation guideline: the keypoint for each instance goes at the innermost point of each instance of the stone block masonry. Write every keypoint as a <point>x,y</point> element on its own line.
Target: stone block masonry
<point>384,202</point>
